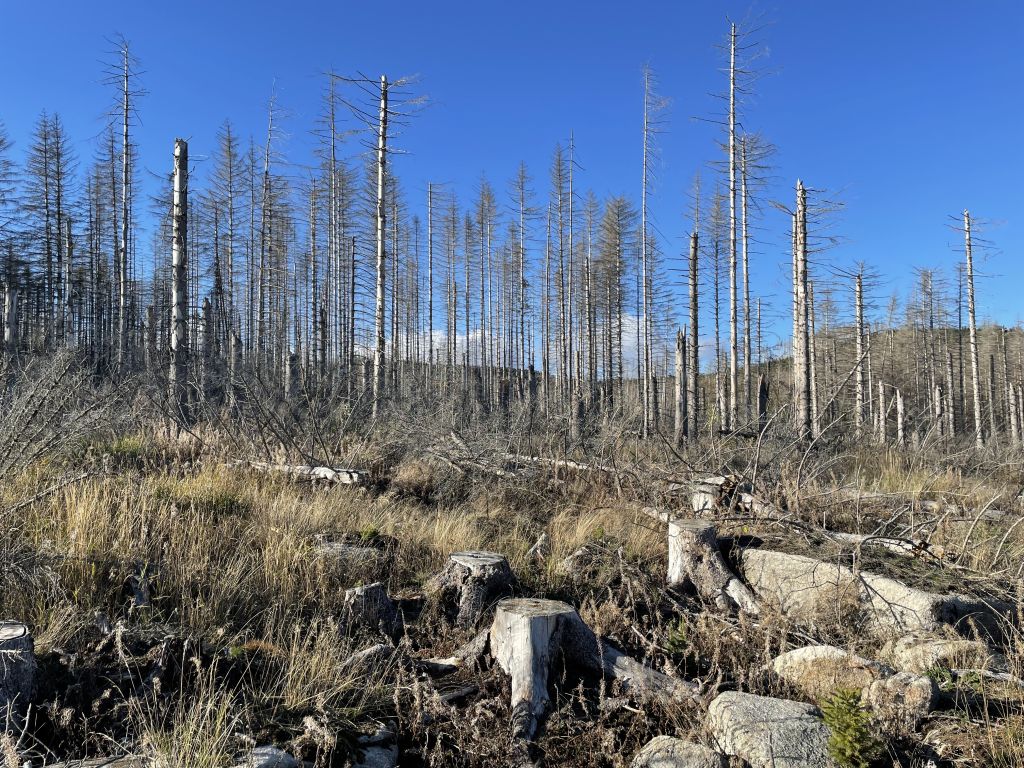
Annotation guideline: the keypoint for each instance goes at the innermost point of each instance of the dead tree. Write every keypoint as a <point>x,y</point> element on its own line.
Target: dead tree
<point>858,379</point>
<point>380,341</point>
<point>680,421</point>
<point>693,368</point>
<point>179,283</point>
<point>979,438</point>
<point>801,341</point>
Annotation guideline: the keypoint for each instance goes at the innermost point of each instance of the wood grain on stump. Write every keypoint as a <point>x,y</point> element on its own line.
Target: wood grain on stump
<point>694,558</point>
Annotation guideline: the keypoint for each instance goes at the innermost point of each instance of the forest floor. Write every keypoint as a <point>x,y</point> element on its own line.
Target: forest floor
<point>187,607</point>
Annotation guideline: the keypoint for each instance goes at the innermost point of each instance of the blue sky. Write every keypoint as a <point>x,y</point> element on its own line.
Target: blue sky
<point>908,112</point>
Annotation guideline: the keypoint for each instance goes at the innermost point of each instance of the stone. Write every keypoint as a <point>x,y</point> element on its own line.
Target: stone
<point>801,587</point>
<point>920,651</point>
<point>901,701</point>
<point>819,670</point>
<point>377,750</point>
<point>768,732</point>
<point>670,752</point>
<point>17,673</point>
<point>269,757</point>
<point>893,605</point>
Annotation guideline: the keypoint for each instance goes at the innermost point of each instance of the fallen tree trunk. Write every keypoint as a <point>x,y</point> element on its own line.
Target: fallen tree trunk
<point>314,473</point>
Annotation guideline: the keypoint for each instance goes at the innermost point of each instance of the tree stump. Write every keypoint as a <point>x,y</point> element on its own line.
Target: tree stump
<point>17,673</point>
<point>471,582</point>
<point>694,558</point>
<point>371,607</point>
<point>529,635</point>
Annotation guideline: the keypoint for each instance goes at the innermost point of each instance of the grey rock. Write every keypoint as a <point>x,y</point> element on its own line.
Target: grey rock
<point>900,702</point>
<point>768,732</point>
<point>669,752</point>
<point>819,670</point>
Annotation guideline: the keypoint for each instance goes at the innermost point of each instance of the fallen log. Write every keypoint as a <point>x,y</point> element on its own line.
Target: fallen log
<point>314,473</point>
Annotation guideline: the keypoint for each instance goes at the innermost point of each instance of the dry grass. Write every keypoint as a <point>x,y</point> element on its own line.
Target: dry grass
<point>234,563</point>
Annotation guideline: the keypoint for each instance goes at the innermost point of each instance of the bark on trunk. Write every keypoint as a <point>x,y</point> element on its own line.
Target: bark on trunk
<point>179,284</point>
<point>470,582</point>
<point>695,559</point>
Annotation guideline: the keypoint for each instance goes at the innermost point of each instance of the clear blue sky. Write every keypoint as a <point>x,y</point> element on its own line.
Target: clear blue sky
<point>911,111</point>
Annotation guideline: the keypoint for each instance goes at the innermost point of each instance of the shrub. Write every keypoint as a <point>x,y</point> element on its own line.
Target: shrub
<point>851,743</point>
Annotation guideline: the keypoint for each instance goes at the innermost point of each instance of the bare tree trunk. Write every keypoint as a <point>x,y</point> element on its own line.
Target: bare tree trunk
<point>122,312</point>
<point>858,412</point>
<point>901,435</point>
<point>378,356</point>
<point>693,369</point>
<point>11,318</point>
<point>733,336</point>
<point>1015,431</point>
<point>880,424</point>
<point>645,319</point>
<point>992,397</point>
<point>812,356</point>
<point>979,438</point>
<point>179,283</point>
<point>950,414</point>
<point>747,356</point>
<point>430,287</point>
<point>801,345</point>
<point>681,385</point>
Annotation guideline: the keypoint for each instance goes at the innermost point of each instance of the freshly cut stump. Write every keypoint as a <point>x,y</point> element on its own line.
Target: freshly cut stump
<point>17,673</point>
<point>371,607</point>
<point>694,558</point>
<point>526,638</point>
<point>471,582</point>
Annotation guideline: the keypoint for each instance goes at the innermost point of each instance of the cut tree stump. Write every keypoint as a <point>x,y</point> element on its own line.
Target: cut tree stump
<point>694,558</point>
<point>371,607</point>
<point>17,673</point>
<point>526,638</point>
<point>529,635</point>
<point>470,582</point>
<point>349,560</point>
